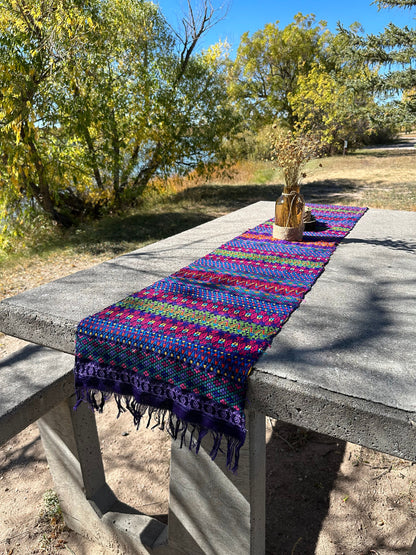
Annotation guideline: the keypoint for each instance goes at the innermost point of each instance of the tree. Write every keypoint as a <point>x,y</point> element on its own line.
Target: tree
<point>329,103</point>
<point>32,40</point>
<point>327,108</point>
<point>268,66</point>
<point>395,3</point>
<point>393,52</point>
<point>98,97</point>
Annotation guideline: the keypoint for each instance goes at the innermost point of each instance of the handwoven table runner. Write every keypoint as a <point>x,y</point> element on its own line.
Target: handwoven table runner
<point>181,350</point>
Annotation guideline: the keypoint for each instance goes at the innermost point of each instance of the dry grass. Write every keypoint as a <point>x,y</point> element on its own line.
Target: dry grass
<point>378,179</point>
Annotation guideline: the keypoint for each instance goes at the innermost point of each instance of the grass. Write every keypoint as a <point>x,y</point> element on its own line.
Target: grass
<point>379,179</point>
<point>51,524</point>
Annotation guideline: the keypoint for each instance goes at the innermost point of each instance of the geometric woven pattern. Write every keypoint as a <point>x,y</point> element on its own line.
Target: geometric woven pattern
<point>182,349</point>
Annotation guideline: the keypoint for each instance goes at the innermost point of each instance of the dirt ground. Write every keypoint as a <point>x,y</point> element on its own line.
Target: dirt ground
<point>324,497</point>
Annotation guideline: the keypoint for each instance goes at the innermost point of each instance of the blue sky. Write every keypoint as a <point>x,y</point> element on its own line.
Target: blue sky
<point>251,15</point>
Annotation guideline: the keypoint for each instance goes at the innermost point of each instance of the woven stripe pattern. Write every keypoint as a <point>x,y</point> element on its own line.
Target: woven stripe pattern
<point>186,344</point>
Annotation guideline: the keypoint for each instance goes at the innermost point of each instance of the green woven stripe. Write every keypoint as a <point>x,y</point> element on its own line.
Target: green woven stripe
<point>198,316</point>
<point>268,258</point>
<point>264,278</point>
<point>330,209</point>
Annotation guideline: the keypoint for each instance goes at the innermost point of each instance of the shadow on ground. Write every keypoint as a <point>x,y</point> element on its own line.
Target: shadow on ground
<point>195,206</point>
<point>126,233</point>
<point>302,467</point>
<point>232,197</point>
<point>387,151</point>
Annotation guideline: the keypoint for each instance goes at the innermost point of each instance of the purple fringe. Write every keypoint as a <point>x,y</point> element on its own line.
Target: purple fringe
<point>171,409</point>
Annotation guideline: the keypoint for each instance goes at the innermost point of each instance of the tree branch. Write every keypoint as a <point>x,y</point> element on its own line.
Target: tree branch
<point>195,24</point>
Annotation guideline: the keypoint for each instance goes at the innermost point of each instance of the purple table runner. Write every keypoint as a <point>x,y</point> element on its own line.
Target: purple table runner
<point>181,350</point>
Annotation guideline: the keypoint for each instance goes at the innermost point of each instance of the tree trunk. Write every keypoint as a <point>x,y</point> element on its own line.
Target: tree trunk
<point>116,158</point>
<point>41,190</point>
<point>148,171</point>
<point>91,149</point>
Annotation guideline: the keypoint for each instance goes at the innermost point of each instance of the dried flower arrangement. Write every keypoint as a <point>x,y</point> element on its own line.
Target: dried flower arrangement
<point>291,152</point>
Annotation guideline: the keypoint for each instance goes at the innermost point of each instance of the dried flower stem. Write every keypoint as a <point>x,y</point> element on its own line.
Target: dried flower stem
<point>291,153</point>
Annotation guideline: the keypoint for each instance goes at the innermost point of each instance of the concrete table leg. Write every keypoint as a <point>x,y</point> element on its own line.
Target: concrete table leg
<point>212,511</point>
<point>89,506</point>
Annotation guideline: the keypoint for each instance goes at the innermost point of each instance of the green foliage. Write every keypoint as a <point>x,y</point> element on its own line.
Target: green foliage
<point>393,54</point>
<point>313,81</point>
<point>98,98</point>
<point>395,3</point>
<point>102,97</point>
<point>268,66</point>
<point>330,102</point>
<point>248,145</point>
<point>51,522</point>
<point>51,509</point>
<point>327,105</point>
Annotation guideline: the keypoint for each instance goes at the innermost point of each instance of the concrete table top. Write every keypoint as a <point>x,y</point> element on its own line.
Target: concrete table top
<point>344,363</point>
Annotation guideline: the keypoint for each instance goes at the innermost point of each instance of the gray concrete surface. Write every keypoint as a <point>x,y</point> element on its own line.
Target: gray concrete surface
<point>349,347</point>
<point>343,365</point>
<point>355,332</point>
<point>345,362</point>
<point>88,504</point>
<point>33,381</point>
<point>212,511</point>
<point>37,384</point>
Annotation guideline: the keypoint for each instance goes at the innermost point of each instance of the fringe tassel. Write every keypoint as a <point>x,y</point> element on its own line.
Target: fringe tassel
<point>164,420</point>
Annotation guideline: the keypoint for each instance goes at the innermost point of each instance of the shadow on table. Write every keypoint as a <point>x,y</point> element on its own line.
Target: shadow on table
<point>394,244</point>
<point>302,467</point>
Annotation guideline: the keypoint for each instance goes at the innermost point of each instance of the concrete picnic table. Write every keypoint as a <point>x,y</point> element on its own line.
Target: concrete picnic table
<point>343,365</point>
